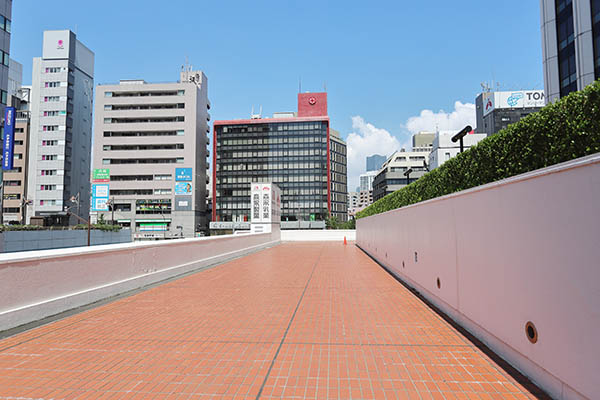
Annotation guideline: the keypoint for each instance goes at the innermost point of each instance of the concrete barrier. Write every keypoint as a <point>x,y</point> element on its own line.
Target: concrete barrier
<point>15,241</point>
<point>493,258</point>
<point>318,235</point>
<point>39,284</point>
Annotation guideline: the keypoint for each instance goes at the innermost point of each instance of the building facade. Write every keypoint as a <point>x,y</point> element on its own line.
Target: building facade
<point>5,29</point>
<point>366,181</point>
<point>297,151</point>
<point>496,110</point>
<point>570,45</point>
<point>61,129</point>
<point>358,201</point>
<point>374,162</point>
<point>15,203</point>
<point>150,156</point>
<point>444,149</point>
<point>391,176</point>
<point>423,141</point>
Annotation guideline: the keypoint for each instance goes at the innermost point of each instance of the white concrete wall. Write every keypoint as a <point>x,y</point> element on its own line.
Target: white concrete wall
<point>39,284</point>
<point>523,249</point>
<point>314,235</point>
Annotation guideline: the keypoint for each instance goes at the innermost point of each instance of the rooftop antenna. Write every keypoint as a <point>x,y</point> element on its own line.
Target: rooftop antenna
<point>325,86</point>
<point>299,84</point>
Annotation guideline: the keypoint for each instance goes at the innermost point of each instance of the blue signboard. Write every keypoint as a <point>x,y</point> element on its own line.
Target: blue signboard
<point>100,195</point>
<point>183,174</point>
<point>183,188</point>
<point>8,147</point>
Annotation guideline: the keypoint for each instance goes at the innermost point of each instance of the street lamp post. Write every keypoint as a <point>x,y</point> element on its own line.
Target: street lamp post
<point>89,224</point>
<point>460,135</point>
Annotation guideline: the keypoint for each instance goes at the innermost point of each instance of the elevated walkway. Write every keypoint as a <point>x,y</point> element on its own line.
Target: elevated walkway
<point>295,321</point>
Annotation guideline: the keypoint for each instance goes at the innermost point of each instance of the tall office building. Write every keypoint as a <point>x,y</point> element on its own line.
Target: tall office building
<point>297,151</point>
<point>366,180</point>
<point>5,28</point>
<point>496,110</point>
<point>150,156</point>
<point>61,129</point>
<point>570,45</point>
<point>375,162</point>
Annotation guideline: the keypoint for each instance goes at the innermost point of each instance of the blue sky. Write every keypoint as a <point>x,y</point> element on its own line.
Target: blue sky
<point>382,61</point>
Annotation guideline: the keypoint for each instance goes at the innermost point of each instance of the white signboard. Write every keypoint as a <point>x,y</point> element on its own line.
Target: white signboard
<point>514,99</point>
<point>265,206</point>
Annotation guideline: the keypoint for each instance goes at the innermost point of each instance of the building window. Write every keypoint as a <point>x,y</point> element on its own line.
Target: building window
<point>5,24</point>
<point>567,69</point>
<point>596,35</point>
<point>3,97</point>
<point>52,84</point>
<point>53,70</point>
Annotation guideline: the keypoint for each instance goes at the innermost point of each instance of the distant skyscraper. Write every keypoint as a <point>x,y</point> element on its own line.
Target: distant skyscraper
<point>61,128</point>
<point>570,45</point>
<point>366,181</point>
<point>375,162</point>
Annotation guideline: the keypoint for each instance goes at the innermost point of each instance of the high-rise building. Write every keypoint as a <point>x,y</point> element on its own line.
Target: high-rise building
<point>570,45</point>
<point>150,156</point>
<point>444,148</point>
<point>391,175</point>
<point>61,129</point>
<point>375,162</point>
<point>297,151</point>
<point>366,181</point>
<point>5,29</point>
<point>496,110</point>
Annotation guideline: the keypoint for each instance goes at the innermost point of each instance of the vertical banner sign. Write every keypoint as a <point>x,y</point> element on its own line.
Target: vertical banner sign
<point>8,147</point>
<point>255,201</point>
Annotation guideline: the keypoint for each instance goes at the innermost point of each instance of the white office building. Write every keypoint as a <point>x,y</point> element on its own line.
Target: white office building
<point>444,149</point>
<point>366,180</point>
<point>570,45</point>
<point>61,128</point>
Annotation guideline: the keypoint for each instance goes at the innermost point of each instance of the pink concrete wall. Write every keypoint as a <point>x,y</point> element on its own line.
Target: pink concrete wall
<point>38,284</point>
<point>523,249</point>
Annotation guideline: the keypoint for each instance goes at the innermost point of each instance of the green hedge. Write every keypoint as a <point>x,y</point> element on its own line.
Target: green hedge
<point>562,131</point>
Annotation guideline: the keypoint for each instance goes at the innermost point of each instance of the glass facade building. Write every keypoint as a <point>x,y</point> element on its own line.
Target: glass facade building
<point>299,154</point>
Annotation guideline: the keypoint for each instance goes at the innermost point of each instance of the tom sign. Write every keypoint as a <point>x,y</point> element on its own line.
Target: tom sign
<point>514,99</point>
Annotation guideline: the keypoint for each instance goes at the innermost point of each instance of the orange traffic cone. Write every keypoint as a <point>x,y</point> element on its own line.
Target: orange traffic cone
<point>345,242</point>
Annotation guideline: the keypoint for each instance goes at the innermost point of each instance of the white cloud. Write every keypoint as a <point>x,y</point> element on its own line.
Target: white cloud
<point>365,141</point>
<point>427,120</point>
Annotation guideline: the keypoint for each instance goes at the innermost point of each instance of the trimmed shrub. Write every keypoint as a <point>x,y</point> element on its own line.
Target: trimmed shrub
<point>559,132</point>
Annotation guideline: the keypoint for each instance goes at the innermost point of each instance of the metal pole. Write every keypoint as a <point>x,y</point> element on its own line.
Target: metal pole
<point>461,145</point>
<point>89,229</point>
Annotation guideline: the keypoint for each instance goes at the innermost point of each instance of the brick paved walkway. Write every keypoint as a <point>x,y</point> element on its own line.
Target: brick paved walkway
<point>304,321</point>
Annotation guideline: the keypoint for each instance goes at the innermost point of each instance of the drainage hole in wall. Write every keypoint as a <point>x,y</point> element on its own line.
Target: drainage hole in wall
<point>385,255</point>
<point>416,256</point>
<point>402,264</point>
<point>531,332</point>
<point>439,284</point>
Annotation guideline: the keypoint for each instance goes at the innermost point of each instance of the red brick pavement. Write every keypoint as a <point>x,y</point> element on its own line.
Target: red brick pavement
<point>297,321</point>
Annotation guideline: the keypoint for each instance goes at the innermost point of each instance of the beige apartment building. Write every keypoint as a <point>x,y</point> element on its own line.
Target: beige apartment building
<point>150,156</point>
